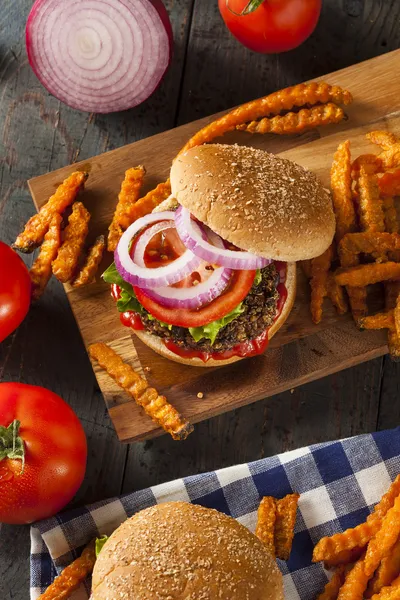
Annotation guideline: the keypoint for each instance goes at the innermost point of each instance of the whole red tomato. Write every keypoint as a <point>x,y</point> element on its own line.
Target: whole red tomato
<point>15,290</point>
<point>270,26</point>
<point>42,453</point>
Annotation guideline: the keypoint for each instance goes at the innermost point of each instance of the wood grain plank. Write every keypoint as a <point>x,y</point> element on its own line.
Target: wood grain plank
<point>263,379</point>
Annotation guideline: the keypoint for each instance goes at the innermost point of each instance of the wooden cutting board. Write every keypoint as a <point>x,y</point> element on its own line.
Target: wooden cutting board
<point>301,351</point>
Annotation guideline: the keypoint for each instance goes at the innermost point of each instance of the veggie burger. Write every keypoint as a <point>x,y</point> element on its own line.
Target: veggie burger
<point>210,276</point>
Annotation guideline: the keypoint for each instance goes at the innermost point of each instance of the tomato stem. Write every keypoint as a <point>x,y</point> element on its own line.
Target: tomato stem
<point>11,444</point>
<point>250,7</point>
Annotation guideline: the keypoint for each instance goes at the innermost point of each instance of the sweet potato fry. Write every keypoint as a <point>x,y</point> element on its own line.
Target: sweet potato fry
<point>40,271</point>
<point>328,548</point>
<point>383,320</point>
<point>298,95</point>
<point>333,586</point>
<point>336,294</point>
<point>157,407</point>
<point>384,540</point>
<point>368,243</point>
<point>146,204</point>
<point>318,282</point>
<point>341,191</point>
<point>355,583</point>
<point>72,576</point>
<point>384,139</point>
<point>390,156</point>
<point>64,266</point>
<point>390,213</point>
<point>370,202</point>
<point>128,196</point>
<point>36,227</point>
<point>391,592</point>
<point>87,274</point>
<point>296,122</point>
<point>389,183</point>
<point>345,557</point>
<point>387,572</point>
<point>363,275</point>
<point>371,164</point>
<point>286,510</point>
<point>266,519</point>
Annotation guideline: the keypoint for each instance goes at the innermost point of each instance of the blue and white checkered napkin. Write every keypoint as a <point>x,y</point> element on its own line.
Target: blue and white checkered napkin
<point>339,482</point>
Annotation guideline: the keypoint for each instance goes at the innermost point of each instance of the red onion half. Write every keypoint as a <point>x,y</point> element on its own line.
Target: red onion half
<point>190,236</point>
<point>139,274</point>
<point>99,55</point>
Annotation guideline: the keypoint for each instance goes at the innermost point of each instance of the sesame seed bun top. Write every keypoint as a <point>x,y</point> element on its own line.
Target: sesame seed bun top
<point>261,203</point>
<point>181,551</point>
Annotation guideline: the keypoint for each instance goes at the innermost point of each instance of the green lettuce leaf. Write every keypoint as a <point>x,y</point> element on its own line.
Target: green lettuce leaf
<point>257,278</point>
<point>111,275</point>
<point>211,330</point>
<point>128,301</point>
<point>100,543</point>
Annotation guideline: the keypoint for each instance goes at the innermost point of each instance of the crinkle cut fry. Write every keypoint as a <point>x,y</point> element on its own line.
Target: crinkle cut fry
<point>371,163</point>
<point>381,138</point>
<point>336,294</point>
<point>145,205</point>
<point>157,407</point>
<point>355,583</point>
<point>367,242</point>
<point>344,558</point>
<point>266,519</point>
<point>390,155</point>
<point>333,586</point>
<point>384,540</point>
<point>319,275</point>
<point>329,547</point>
<point>390,213</point>
<point>386,572</point>
<point>296,122</point>
<point>341,191</point>
<point>286,511</point>
<point>382,320</point>
<point>298,95</point>
<point>35,229</point>
<point>72,576</point>
<point>40,271</point>
<point>370,202</point>
<point>128,196</point>
<point>88,271</point>
<point>65,265</point>
<point>363,275</point>
<point>391,592</point>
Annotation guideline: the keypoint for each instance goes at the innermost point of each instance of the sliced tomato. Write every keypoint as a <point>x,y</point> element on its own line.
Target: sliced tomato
<point>239,287</point>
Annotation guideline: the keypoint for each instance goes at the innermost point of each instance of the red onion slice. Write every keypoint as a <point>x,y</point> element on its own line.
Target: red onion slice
<point>195,296</point>
<point>99,55</point>
<point>143,276</point>
<point>190,236</point>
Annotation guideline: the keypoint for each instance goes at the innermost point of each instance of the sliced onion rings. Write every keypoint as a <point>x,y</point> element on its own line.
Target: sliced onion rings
<point>190,236</point>
<point>142,276</point>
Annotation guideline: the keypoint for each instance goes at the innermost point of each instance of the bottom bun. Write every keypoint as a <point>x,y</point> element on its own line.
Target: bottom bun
<point>157,344</point>
<point>180,551</point>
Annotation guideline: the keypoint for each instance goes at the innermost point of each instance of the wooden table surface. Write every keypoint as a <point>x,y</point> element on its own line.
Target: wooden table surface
<point>210,72</point>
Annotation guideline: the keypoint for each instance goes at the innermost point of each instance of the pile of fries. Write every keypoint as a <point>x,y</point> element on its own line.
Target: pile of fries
<point>276,520</point>
<point>61,251</point>
<point>366,559</point>
<point>367,241</point>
